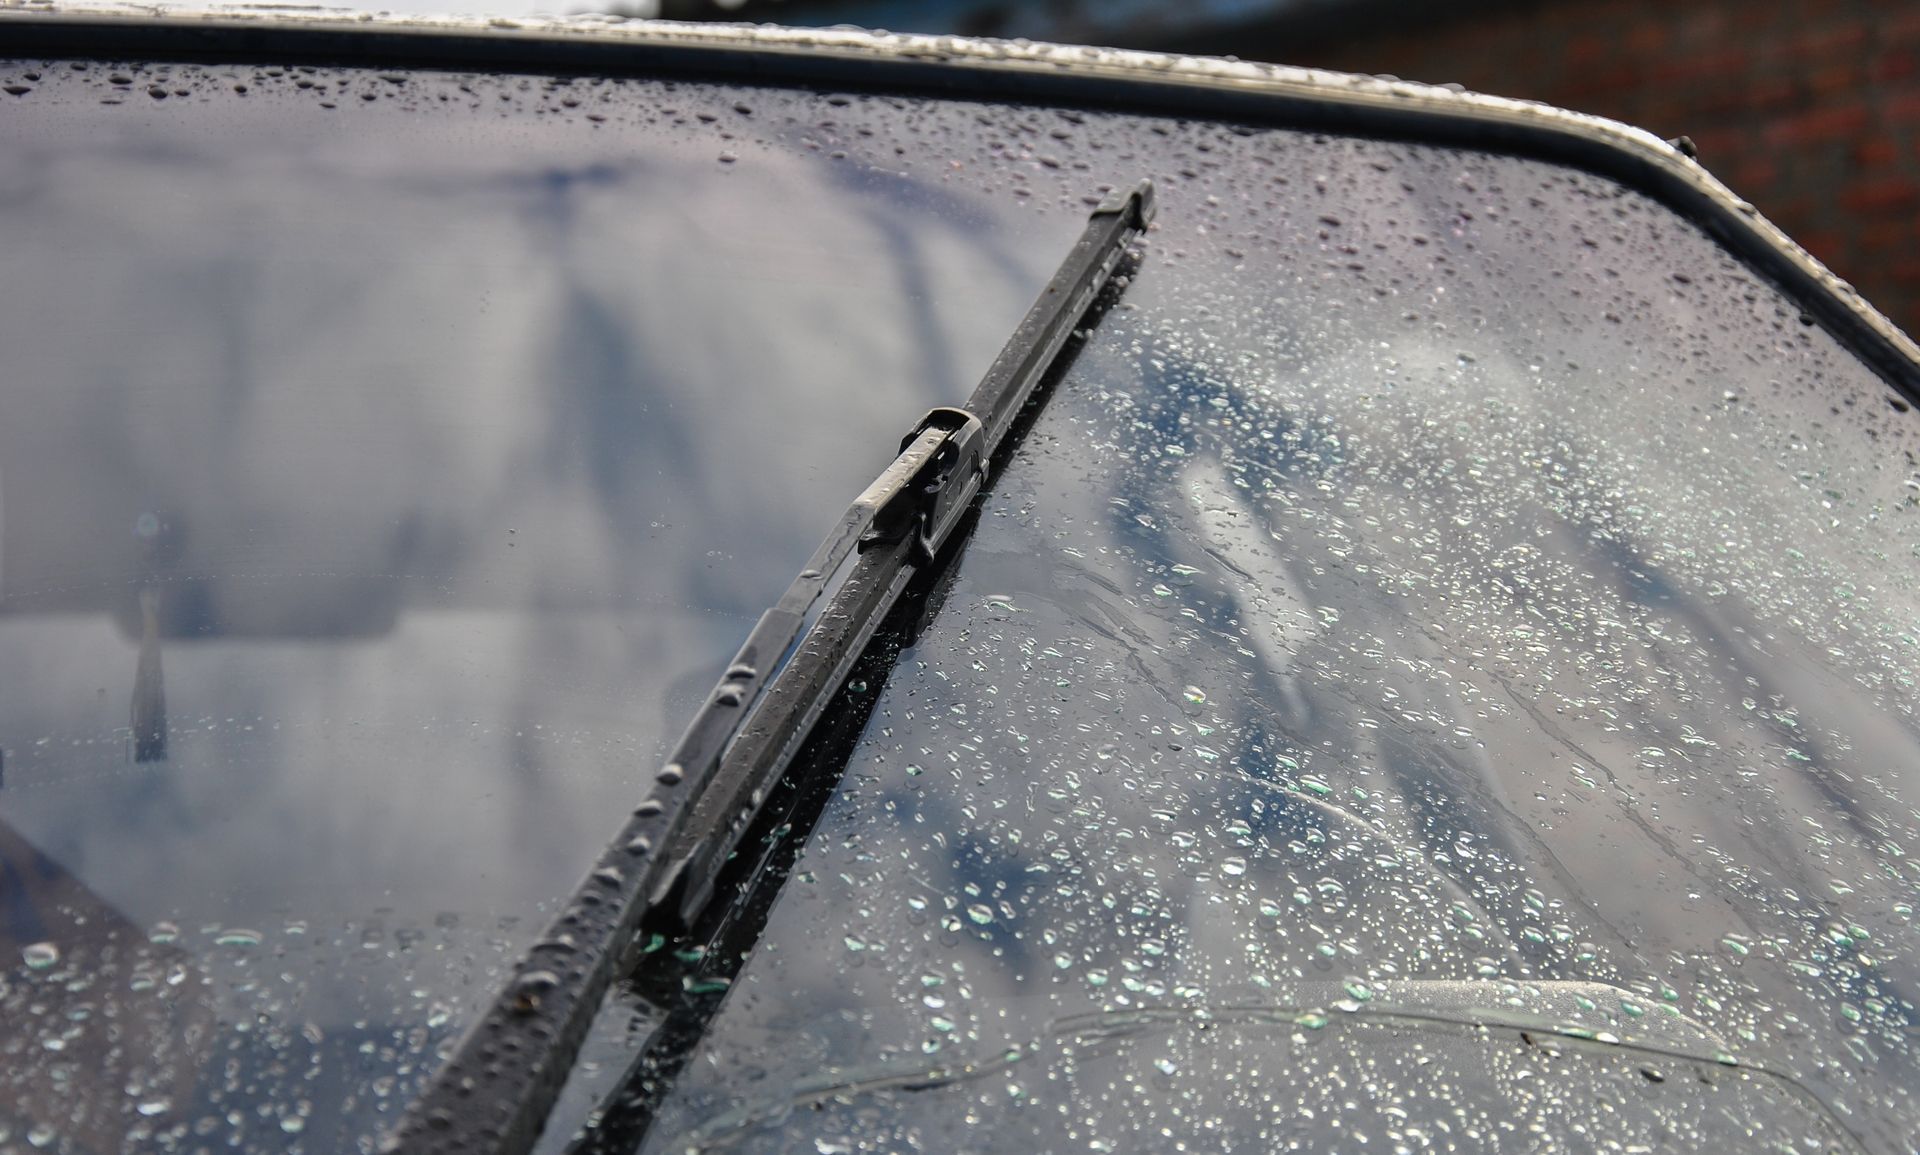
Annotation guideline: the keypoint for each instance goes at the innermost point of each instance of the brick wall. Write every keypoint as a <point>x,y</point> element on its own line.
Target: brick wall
<point>1808,108</point>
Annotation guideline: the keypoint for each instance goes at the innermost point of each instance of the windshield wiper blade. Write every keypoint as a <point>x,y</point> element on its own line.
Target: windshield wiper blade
<point>496,1091</point>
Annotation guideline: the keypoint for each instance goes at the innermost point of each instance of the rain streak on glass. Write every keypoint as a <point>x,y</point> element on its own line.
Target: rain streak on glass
<point>1447,593</point>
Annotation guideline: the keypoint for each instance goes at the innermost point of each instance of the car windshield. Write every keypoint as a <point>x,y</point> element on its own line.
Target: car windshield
<point>1438,664</point>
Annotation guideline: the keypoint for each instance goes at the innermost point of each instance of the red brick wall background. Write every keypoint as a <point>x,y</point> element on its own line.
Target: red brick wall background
<point>1808,108</point>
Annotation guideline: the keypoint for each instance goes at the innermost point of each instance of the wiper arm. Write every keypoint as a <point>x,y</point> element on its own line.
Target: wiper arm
<point>494,1095</point>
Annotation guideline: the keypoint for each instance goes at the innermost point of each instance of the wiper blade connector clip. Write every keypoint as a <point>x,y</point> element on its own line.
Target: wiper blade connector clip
<point>946,457</point>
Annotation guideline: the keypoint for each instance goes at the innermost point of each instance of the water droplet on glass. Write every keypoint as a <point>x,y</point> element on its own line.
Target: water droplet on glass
<point>529,987</point>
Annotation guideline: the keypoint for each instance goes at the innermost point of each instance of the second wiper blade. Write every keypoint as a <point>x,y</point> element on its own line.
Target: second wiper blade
<point>494,1095</point>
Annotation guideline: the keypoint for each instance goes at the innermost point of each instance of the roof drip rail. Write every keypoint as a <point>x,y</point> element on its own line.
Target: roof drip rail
<point>495,1093</point>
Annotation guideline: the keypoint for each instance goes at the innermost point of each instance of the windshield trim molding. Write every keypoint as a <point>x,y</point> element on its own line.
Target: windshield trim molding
<point>963,68</point>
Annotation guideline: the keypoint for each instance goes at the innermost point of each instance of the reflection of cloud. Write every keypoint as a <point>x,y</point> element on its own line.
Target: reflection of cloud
<point>450,452</point>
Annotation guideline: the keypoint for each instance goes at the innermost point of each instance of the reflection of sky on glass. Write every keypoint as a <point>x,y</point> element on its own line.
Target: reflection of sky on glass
<point>1443,574</point>
<point>454,436</point>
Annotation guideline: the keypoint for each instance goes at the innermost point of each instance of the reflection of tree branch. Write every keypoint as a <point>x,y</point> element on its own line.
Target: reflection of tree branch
<point>1070,1037</point>
<point>1302,449</point>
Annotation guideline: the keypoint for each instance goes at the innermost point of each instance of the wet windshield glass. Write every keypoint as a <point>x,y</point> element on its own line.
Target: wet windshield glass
<point>1448,590</point>
<point>388,464</point>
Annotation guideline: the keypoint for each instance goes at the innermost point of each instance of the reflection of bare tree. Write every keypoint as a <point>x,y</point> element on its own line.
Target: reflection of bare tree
<point>1210,514</point>
<point>1475,641</point>
<point>149,689</point>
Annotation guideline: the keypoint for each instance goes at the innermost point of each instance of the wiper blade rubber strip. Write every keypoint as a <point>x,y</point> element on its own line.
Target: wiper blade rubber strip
<point>495,1093</point>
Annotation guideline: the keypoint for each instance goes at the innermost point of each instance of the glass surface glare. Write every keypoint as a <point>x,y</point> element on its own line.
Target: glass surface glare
<point>388,464</point>
<point>1448,592</point>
